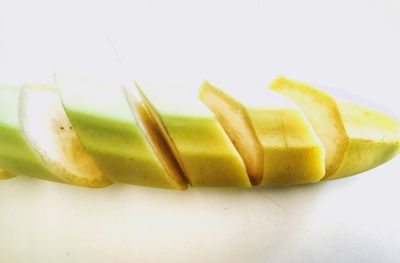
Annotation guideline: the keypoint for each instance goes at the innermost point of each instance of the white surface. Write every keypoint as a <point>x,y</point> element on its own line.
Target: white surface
<point>352,45</point>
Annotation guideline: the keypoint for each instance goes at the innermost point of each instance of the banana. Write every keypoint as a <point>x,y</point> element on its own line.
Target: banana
<point>107,127</point>
<point>199,143</point>
<point>163,136</point>
<point>38,140</point>
<point>272,135</point>
<point>356,138</point>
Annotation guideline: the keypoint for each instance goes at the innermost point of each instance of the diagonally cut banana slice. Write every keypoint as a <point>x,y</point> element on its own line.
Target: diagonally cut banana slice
<point>46,127</point>
<point>199,143</point>
<point>356,138</point>
<point>275,140</point>
<point>16,154</point>
<point>107,128</point>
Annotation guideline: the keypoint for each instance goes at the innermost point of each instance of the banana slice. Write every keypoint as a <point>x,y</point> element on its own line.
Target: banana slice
<point>16,154</point>
<point>276,142</point>
<point>199,143</point>
<point>356,138</point>
<point>5,174</point>
<point>32,142</point>
<point>47,128</point>
<point>109,131</point>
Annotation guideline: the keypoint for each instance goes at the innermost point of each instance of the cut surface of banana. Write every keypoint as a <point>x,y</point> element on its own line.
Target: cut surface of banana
<point>199,143</point>
<point>47,128</point>
<point>356,138</point>
<point>103,119</point>
<point>272,135</point>
<point>16,154</point>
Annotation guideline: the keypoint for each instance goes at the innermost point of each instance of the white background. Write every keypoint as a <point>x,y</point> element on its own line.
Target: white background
<point>351,45</point>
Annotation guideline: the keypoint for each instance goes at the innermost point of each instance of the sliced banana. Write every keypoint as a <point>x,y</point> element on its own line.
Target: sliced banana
<point>120,144</point>
<point>16,154</point>
<point>46,127</point>
<point>356,138</point>
<point>275,140</point>
<point>199,143</point>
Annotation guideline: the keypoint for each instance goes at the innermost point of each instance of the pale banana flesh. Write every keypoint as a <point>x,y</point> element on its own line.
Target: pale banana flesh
<point>30,143</point>
<point>355,137</point>
<point>109,131</point>
<point>16,154</point>
<point>199,143</point>
<point>47,128</point>
<point>274,138</point>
